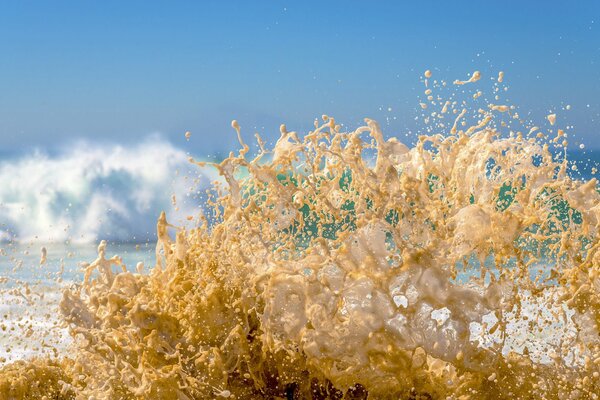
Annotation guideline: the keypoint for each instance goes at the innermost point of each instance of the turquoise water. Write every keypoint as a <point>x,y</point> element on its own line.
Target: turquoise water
<point>21,262</point>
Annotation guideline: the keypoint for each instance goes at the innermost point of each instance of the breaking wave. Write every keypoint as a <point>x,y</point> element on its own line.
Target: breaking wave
<point>92,191</point>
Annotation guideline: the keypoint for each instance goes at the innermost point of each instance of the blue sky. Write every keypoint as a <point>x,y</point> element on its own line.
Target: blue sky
<point>118,71</point>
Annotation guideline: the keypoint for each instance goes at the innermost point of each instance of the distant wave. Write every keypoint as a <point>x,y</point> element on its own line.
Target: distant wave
<point>92,191</point>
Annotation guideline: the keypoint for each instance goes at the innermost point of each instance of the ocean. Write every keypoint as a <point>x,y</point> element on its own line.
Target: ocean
<point>340,264</point>
<point>38,310</point>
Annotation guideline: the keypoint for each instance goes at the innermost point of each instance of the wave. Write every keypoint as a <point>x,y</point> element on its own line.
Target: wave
<point>340,264</point>
<point>91,191</point>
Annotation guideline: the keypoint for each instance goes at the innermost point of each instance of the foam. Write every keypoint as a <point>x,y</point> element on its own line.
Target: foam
<point>92,191</point>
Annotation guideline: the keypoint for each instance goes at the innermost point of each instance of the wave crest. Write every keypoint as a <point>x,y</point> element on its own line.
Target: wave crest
<point>93,191</point>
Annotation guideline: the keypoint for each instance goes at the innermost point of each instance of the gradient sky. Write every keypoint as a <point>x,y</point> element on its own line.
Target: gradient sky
<point>118,71</point>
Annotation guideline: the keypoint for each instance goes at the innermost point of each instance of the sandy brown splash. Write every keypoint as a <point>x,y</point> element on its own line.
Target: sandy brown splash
<point>343,265</point>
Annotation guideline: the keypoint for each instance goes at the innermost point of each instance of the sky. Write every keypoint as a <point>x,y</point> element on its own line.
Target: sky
<point>122,71</point>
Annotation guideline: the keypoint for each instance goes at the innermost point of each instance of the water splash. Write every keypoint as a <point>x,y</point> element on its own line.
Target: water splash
<point>343,264</point>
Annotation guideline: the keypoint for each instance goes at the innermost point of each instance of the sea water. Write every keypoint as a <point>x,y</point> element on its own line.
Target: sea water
<point>340,264</point>
<point>31,292</point>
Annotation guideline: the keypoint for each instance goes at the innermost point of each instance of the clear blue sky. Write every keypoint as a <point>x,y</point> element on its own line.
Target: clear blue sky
<point>121,70</point>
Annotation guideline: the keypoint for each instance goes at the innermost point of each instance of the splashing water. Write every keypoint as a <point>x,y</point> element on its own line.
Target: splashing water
<point>343,265</point>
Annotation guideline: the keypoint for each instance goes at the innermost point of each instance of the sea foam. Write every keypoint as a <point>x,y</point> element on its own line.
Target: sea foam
<point>92,191</point>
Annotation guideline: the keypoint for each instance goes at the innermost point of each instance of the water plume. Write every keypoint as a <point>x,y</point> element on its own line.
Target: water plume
<point>340,264</point>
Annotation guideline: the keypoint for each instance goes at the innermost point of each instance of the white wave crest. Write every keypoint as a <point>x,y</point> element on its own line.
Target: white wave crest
<point>92,191</point>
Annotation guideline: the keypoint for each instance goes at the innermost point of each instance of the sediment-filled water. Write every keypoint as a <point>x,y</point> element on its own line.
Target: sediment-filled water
<point>339,264</point>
